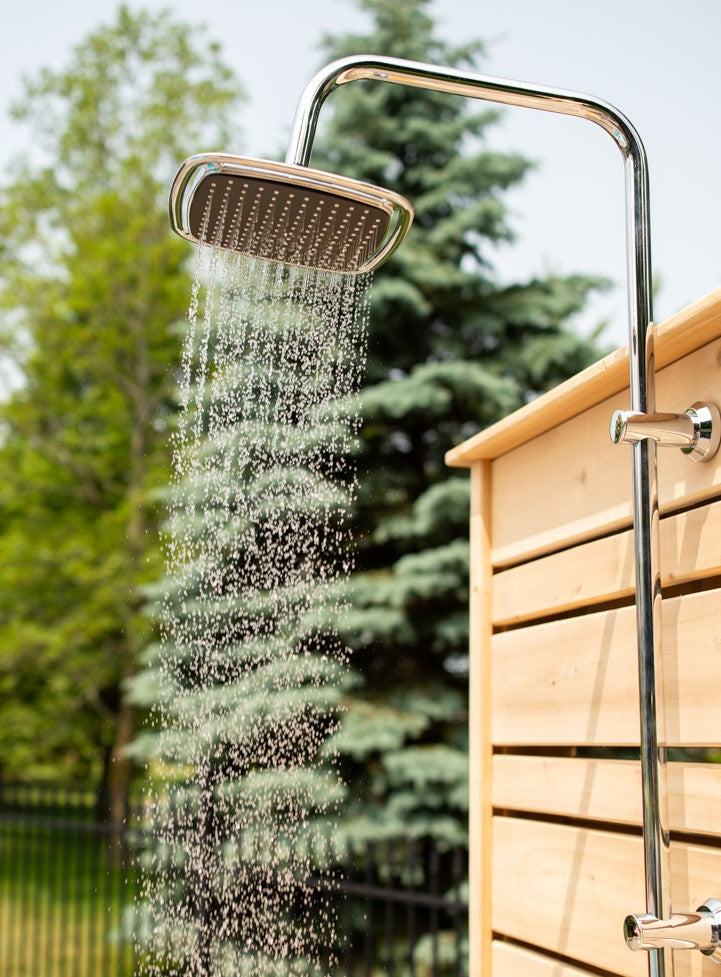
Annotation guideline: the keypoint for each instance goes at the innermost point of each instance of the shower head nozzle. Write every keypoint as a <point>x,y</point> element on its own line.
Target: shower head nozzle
<point>289,213</point>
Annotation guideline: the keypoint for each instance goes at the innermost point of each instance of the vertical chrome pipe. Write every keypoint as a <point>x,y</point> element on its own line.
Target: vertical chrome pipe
<point>641,336</point>
<point>657,856</point>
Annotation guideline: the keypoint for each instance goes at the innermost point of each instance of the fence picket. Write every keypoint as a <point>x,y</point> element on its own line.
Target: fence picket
<point>62,898</point>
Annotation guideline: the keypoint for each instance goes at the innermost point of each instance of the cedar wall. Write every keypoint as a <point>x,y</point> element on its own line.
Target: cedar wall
<point>556,848</point>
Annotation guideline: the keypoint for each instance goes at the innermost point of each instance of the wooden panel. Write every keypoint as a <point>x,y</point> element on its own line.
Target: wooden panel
<point>683,333</point>
<point>515,961</point>
<point>479,727</point>
<point>606,790</point>
<point>603,569</point>
<point>559,483</point>
<point>550,880</point>
<point>575,681</point>
<point>589,573</point>
<point>572,484</point>
<point>690,546</point>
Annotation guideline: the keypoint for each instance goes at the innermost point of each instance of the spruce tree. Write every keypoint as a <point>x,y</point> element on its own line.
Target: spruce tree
<point>450,352</point>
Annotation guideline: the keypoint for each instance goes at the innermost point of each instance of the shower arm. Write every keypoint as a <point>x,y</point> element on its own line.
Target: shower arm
<point>641,361</point>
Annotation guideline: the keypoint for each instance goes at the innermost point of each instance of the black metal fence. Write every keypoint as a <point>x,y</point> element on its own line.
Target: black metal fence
<point>65,882</point>
<point>404,913</point>
<point>68,882</point>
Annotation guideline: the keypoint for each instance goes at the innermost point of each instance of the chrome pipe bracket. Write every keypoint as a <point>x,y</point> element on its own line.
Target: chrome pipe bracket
<point>683,931</point>
<point>697,432</point>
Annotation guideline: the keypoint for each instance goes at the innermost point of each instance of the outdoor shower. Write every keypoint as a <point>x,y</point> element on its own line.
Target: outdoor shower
<point>295,214</point>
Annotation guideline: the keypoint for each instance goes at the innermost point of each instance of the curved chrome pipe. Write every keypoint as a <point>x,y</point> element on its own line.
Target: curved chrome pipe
<point>641,336</point>
<point>437,78</point>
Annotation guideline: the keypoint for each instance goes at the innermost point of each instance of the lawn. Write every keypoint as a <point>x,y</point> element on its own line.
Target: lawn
<point>62,900</point>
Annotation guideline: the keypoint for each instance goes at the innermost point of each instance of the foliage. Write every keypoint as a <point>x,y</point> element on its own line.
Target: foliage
<point>92,287</point>
<point>450,352</point>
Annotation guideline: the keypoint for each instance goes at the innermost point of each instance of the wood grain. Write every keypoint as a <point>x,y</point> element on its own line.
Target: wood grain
<point>510,960</point>
<point>568,889</point>
<point>678,336</point>
<point>551,512</point>
<point>603,569</point>
<point>606,790</point>
<point>572,484</point>
<point>481,807</point>
<point>574,681</point>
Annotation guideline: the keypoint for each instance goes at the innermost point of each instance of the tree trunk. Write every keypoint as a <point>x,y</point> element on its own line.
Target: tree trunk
<point>119,777</point>
<point>120,767</point>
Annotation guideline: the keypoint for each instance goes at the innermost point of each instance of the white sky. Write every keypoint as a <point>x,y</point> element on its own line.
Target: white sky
<point>655,60</point>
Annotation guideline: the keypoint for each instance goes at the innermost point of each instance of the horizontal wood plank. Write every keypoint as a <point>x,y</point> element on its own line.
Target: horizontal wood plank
<point>571,484</point>
<point>603,569</point>
<point>550,880</point>
<point>590,573</point>
<point>606,790</point>
<point>574,681</point>
<point>510,960</point>
<point>677,336</point>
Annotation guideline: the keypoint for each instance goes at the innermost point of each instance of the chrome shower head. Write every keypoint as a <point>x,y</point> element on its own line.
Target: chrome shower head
<point>289,213</point>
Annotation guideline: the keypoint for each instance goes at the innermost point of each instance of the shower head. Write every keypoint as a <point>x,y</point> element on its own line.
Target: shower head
<point>285,212</point>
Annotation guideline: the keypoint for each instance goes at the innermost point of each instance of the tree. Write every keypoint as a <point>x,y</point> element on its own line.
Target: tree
<point>450,352</point>
<point>92,288</point>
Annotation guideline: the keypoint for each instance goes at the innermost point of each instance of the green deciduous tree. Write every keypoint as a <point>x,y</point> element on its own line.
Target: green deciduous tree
<point>450,352</point>
<point>92,288</point>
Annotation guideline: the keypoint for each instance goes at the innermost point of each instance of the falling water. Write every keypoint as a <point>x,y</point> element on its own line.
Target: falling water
<point>252,667</point>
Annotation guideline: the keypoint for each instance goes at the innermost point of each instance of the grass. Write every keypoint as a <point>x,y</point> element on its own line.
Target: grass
<point>62,901</point>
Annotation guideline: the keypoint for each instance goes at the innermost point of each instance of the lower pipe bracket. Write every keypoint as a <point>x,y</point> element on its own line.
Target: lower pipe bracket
<point>683,931</point>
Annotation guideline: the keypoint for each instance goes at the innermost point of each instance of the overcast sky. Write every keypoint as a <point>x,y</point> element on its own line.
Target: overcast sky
<point>655,60</point>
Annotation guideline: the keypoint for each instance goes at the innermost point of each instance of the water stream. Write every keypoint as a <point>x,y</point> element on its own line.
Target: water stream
<point>252,668</point>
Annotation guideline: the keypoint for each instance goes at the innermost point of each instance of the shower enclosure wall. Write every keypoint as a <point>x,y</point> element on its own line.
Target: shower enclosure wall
<point>556,842</point>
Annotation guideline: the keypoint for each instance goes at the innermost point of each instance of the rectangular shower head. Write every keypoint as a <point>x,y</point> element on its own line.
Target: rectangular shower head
<point>283,212</point>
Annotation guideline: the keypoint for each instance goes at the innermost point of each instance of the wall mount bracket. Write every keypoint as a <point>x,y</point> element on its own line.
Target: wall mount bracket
<point>683,931</point>
<point>697,432</point>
